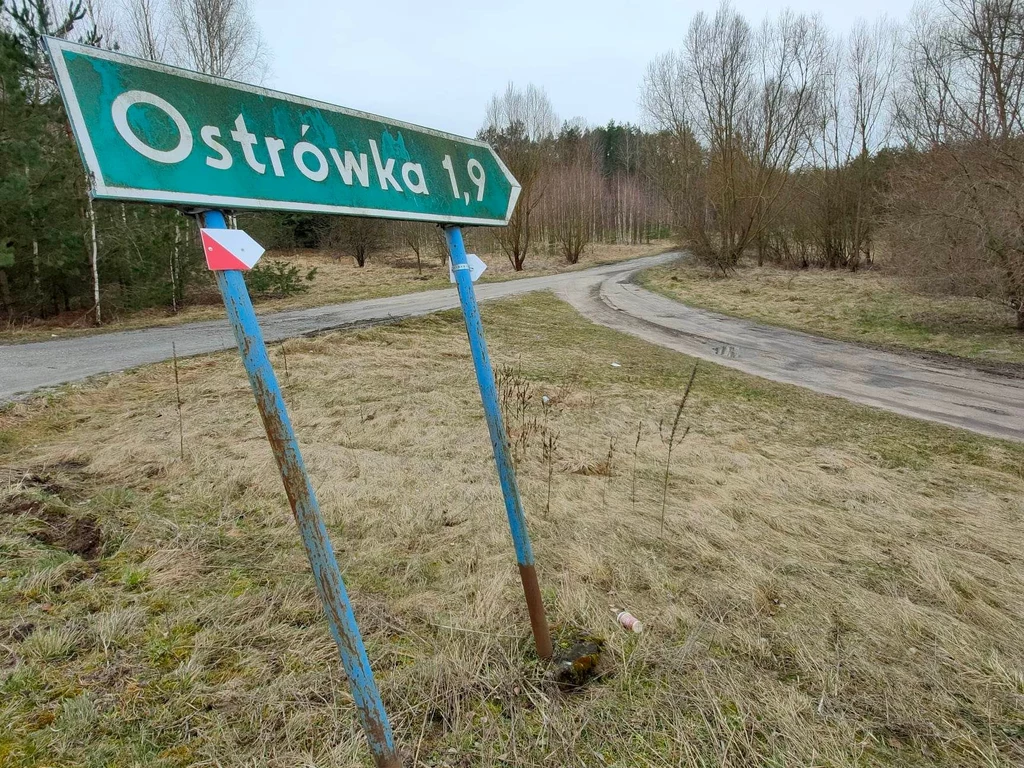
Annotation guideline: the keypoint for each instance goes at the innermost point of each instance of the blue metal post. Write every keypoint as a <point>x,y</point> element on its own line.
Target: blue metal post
<point>306,509</point>
<point>499,441</point>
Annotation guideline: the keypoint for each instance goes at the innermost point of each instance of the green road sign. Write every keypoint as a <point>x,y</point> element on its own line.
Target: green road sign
<point>151,132</point>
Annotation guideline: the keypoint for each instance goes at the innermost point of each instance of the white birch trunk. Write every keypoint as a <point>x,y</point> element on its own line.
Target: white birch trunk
<point>94,258</point>
<point>174,268</point>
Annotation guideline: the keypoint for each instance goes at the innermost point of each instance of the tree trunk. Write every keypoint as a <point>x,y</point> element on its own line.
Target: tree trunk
<point>5,295</point>
<point>174,269</point>
<point>93,259</point>
<point>35,243</point>
<point>35,262</point>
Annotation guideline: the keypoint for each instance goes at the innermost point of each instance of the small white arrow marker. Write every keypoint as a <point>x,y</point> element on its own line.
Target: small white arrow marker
<point>474,264</point>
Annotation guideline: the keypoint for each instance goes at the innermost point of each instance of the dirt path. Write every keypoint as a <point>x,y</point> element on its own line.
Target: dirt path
<point>913,386</point>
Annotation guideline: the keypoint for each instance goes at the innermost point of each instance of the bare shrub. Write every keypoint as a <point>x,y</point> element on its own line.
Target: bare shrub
<point>955,224</point>
<point>356,237</point>
<point>957,221</point>
<point>515,396</point>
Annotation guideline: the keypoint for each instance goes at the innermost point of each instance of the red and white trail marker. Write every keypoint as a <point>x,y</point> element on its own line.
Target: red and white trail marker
<point>230,249</point>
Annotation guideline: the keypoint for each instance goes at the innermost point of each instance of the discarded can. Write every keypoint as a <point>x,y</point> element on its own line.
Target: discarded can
<point>630,622</point>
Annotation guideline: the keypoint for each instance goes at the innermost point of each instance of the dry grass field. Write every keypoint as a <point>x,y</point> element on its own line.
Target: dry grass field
<point>337,280</point>
<point>866,306</point>
<point>835,586</point>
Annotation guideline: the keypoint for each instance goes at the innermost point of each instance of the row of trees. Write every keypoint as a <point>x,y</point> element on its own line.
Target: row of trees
<point>783,140</point>
<point>59,251</point>
<point>811,148</point>
<point>579,184</point>
<point>774,128</point>
<point>599,186</point>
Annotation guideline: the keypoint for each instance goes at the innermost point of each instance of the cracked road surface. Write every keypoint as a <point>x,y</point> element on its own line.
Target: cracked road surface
<point>907,384</point>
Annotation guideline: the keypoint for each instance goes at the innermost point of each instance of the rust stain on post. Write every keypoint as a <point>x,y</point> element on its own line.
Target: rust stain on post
<point>499,441</point>
<point>306,510</point>
<point>535,605</point>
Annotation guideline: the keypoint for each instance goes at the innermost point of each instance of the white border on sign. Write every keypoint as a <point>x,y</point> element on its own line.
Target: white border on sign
<point>101,189</point>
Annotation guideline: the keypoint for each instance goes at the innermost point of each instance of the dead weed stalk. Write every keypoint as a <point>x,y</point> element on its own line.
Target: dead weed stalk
<point>515,394</point>
<point>636,449</point>
<point>671,443</point>
<point>177,402</point>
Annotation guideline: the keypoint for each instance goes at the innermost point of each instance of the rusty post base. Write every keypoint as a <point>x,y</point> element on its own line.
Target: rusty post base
<point>535,605</point>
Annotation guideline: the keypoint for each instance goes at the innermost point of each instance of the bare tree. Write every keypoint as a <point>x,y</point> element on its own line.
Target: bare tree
<point>144,29</point>
<point>355,236</point>
<point>218,37</point>
<point>102,17</point>
<point>746,96</point>
<point>717,67</point>
<point>791,60</point>
<point>851,123</point>
<point>103,25</point>
<point>529,109</point>
<point>961,106</point>
<point>519,123</point>
<point>415,235</point>
<point>679,171</point>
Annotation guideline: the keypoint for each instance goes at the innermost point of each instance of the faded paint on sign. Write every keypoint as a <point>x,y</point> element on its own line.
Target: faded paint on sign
<point>152,132</point>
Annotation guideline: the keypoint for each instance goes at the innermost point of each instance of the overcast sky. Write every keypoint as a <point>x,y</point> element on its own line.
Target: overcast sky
<point>437,63</point>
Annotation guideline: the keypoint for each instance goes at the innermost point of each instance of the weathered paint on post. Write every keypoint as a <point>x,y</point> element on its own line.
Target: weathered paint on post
<point>499,441</point>
<point>306,509</point>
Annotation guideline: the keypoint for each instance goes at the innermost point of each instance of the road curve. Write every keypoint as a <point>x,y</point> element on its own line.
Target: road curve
<point>27,367</point>
<point>906,384</point>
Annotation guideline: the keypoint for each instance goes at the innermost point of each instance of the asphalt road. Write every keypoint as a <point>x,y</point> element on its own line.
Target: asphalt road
<point>27,367</point>
<point>905,384</point>
<point>910,385</point>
